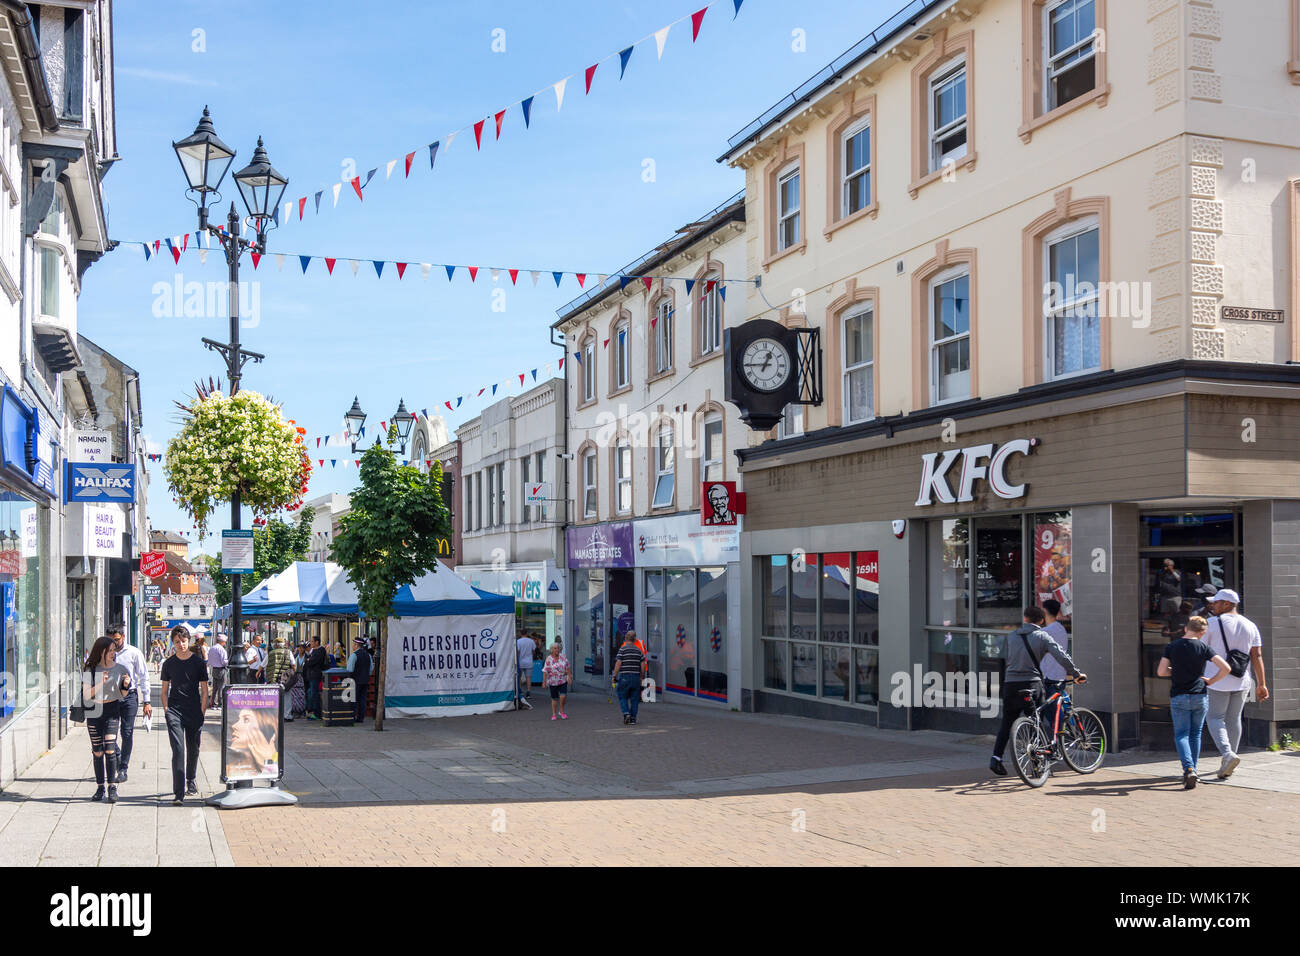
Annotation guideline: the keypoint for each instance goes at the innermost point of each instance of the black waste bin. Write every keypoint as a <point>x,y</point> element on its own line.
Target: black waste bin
<point>335,710</point>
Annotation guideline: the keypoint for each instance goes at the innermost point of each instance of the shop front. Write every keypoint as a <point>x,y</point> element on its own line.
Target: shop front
<point>538,589</point>
<point>602,594</point>
<point>1124,510</point>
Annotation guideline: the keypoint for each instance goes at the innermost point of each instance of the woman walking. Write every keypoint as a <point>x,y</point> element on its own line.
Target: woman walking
<point>1184,661</point>
<point>185,700</point>
<point>104,685</point>
<point>555,675</point>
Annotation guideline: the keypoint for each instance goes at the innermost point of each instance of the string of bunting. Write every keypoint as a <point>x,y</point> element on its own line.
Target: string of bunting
<point>203,244</point>
<point>494,120</point>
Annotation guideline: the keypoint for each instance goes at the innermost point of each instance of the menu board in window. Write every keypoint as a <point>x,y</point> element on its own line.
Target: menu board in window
<point>1052,563</point>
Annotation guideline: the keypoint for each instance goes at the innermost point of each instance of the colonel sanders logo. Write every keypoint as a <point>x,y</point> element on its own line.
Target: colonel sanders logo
<point>718,509</point>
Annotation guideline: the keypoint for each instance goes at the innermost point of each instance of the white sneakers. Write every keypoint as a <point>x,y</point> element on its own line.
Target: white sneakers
<point>1227,765</point>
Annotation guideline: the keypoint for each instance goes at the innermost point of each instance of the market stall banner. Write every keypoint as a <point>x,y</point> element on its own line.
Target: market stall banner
<point>450,665</point>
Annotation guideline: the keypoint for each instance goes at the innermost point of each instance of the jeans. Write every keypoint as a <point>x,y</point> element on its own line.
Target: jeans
<point>1013,706</point>
<point>1224,718</point>
<point>183,735</point>
<point>218,682</point>
<point>313,696</point>
<point>629,694</point>
<point>130,707</point>
<point>103,731</point>
<point>363,691</point>
<point>1188,712</point>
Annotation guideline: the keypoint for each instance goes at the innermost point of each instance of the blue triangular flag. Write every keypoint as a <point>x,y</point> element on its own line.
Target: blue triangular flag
<point>275,216</point>
<point>406,461</point>
<point>433,152</point>
<point>318,195</point>
<point>424,412</point>
<point>170,247</point>
<point>458,398</point>
<point>333,462</point>
<point>528,109</point>
<point>623,281</point>
<point>147,253</point>
<point>494,389</point>
<point>737,13</point>
<point>577,357</point>
<point>722,291</point>
<point>379,268</point>
<point>557,278</point>
<point>304,260</point>
<point>450,270</point>
<point>623,57</point>
<point>534,375</point>
<point>690,284</point>
<point>370,175</point>
<point>363,431</point>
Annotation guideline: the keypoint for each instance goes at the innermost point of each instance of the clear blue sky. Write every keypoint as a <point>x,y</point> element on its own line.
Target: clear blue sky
<point>325,82</point>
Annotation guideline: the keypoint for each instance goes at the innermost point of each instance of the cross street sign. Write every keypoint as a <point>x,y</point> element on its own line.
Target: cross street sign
<point>90,482</point>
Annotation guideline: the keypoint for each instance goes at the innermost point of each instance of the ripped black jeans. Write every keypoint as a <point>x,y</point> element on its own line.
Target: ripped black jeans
<point>103,728</point>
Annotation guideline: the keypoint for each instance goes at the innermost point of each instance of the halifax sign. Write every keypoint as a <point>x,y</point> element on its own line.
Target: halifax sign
<point>83,481</point>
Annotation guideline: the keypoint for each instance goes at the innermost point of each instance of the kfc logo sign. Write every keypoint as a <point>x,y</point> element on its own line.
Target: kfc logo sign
<point>720,503</point>
<point>936,465</point>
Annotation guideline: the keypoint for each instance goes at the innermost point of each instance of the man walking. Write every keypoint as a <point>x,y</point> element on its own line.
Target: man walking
<point>359,665</point>
<point>137,698</point>
<point>256,658</point>
<point>1231,632</point>
<point>184,700</point>
<point>313,672</point>
<point>526,647</point>
<point>629,667</point>
<point>218,663</point>
<point>1026,646</point>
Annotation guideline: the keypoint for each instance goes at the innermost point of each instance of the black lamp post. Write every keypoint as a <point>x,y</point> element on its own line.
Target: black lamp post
<point>403,420</point>
<point>355,420</point>
<point>204,159</point>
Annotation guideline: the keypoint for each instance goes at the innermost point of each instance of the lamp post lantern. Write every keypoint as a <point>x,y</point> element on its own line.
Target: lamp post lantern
<point>354,420</point>
<point>404,420</point>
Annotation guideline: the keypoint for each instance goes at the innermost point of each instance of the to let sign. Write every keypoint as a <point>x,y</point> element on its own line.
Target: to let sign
<point>153,563</point>
<point>153,595</point>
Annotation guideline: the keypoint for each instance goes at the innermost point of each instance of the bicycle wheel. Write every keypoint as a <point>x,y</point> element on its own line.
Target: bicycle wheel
<point>1029,751</point>
<point>1085,740</point>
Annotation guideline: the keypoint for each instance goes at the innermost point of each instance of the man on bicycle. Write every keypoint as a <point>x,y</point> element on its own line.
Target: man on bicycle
<point>1026,646</point>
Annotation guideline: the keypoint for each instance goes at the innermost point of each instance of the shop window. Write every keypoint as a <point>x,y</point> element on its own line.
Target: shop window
<point>949,572</point>
<point>775,665</point>
<point>950,358</point>
<point>623,477</point>
<point>835,673</point>
<point>711,468</point>
<point>711,635</point>
<point>836,581</point>
<point>22,575</point>
<point>654,624</point>
<point>1189,530</point>
<point>665,469</point>
<point>589,625</point>
<point>774,582</point>
<point>803,669</point>
<point>999,572</point>
<point>681,671</point>
<point>1072,326</point>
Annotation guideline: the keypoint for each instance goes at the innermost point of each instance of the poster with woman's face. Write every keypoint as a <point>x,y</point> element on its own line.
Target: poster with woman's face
<point>252,733</point>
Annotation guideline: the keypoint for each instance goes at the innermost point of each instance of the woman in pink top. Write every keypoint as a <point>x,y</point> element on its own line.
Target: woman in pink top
<point>555,675</point>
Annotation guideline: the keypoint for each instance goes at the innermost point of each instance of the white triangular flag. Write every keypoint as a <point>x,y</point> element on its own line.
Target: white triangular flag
<point>355,263</point>
<point>534,275</point>
<point>548,369</point>
<point>279,262</point>
<point>660,37</point>
<point>288,212</point>
<point>424,269</point>
<point>337,187</point>
<point>391,164</point>
<point>601,280</point>
<point>559,94</point>
<point>203,256</point>
<point>447,145</point>
<point>496,275</point>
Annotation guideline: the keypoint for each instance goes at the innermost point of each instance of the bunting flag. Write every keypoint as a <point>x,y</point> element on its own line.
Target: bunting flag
<point>624,55</point>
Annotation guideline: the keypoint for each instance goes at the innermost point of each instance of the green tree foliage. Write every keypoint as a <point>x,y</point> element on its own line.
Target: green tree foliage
<point>392,535</point>
<point>276,545</point>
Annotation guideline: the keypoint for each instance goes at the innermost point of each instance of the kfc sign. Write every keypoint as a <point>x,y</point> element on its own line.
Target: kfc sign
<point>720,502</point>
<point>936,465</point>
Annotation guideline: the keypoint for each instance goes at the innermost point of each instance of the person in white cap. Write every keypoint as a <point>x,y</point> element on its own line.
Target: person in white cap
<point>1232,635</point>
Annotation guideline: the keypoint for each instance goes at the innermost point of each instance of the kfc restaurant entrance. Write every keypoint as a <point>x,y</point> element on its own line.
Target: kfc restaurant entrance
<point>1121,508</point>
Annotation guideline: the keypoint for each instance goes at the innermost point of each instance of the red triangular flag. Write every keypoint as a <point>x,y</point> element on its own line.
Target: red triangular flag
<point>176,254</point>
<point>481,391</point>
<point>500,117</point>
<point>473,273</point>
<point>708,286</point>
<point>318,442</point>
<point>256,259</point>
<point>329,264</point>
<point>302,204</point>
<point>647,280</point>
<point>521,378</point>
<point>185,243</point>
<point>322,462</point>
<point>383,426</point>
<point>591,71</point>
<point>653,321</point>
<point>696,19</point>
<point>449,408</point>
<point>356,184</point>
<point>401,268</point>
<point>582,278</point>
<point>606,345</point>
<point>358,461</point>
<point>409,158</point>
<point>514,274</point>
<point>156,244</point>
<point>478,134</point>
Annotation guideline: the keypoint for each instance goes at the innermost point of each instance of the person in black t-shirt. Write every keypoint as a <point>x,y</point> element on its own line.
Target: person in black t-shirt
<point>185,700</point>
<point>629,666</point>
<point>1184,662</point>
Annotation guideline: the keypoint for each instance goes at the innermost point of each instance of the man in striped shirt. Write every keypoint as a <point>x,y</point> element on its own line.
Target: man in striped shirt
<point>629,666</point>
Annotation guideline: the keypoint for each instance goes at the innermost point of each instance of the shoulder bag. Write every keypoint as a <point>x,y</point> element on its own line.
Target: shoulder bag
<point>77,712</point>
<point>1237,661</point>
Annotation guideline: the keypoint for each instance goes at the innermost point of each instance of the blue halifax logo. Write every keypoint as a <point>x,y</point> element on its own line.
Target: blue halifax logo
<point>87,482</point>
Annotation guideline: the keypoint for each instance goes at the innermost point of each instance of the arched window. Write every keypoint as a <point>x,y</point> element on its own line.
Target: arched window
<point>664,459</point>
<point>710,306</point>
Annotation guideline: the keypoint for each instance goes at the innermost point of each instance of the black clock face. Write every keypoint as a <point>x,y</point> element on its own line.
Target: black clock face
<point>766,364</point>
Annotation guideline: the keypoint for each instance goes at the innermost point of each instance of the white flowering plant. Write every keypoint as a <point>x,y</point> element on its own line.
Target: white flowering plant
<point>239,443</point>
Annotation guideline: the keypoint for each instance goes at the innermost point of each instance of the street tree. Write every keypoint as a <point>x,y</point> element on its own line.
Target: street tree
<point>392,535</point>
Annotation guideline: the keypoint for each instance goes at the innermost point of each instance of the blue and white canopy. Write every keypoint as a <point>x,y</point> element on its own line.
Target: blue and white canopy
<point>322,589</point>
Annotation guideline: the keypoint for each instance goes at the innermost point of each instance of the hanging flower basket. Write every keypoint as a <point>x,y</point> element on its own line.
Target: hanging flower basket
<point>239,443</point>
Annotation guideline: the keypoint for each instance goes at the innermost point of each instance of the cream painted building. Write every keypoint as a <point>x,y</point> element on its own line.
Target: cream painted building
<point>1071,223</point>
<point>647,427</point>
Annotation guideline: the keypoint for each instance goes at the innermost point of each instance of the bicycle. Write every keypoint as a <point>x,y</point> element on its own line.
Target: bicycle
<point>1078,738</point>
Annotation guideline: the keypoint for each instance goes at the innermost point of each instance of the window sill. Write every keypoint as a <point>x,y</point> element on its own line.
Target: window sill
<point>915,187</point>
<point>620,391</point>
<point>659,376</point>
<point>800,247</point>
<point>585,403</point>
<point>866,212</point>
<point>1293,68</point>
<point>706,357</point>
<point>1099,95</point>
